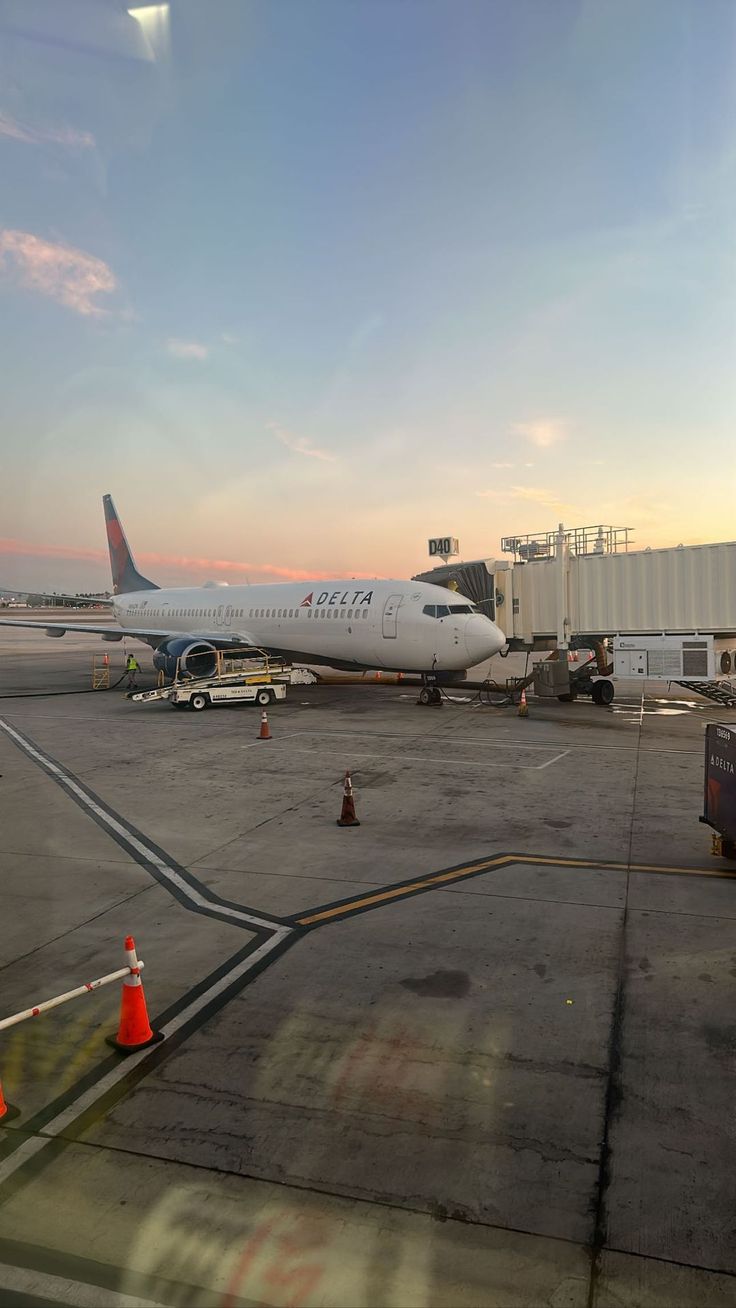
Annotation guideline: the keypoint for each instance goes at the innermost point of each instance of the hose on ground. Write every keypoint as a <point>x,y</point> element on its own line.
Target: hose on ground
<point>48,694</point>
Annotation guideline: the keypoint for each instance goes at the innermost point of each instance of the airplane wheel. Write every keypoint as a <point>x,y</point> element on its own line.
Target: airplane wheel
<point>425,695</point>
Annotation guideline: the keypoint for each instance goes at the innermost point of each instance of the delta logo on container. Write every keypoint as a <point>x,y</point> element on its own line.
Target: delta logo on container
<point>337,597</point>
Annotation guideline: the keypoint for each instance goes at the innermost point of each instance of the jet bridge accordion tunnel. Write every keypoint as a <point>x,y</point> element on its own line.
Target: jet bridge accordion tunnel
<point>558,592</point>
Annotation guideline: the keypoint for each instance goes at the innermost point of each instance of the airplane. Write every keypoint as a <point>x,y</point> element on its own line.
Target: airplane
<point>401,626</point>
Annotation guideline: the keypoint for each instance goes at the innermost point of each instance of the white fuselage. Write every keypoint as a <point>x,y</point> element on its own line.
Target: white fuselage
<point>405,626</point>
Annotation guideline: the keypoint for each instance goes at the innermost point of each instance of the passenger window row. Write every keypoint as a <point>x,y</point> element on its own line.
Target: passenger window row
<point>312,613</point>
<point>264,613</point>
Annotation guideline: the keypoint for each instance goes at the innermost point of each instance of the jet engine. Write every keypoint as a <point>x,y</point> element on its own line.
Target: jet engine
<point>196,658</point>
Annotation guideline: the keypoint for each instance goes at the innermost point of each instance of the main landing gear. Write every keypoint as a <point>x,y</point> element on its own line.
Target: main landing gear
<point>430,695</point>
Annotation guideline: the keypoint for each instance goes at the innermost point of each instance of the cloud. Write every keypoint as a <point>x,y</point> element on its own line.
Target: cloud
<point>186,349</point>
<point>536,495</point>
<point>502,465</point>
<point>30,135</point>
<point>525,494</point>
<point>228,338</point>
<point>71,277</point>
<point>543,433</point>
<point>299,444</point>
<point>11,547</point>
<point>187,563</point>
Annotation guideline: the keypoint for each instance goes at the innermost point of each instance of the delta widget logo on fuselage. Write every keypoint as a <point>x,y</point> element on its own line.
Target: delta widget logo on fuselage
<point>337,597</point>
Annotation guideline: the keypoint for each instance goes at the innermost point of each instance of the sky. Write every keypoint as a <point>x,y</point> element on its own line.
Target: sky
<point>303,283</point>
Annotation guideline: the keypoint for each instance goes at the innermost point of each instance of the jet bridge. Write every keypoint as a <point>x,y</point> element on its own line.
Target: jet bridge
<point>586,585</point>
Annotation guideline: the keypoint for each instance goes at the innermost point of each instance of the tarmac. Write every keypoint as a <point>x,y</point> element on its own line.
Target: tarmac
<point>477,1051</point>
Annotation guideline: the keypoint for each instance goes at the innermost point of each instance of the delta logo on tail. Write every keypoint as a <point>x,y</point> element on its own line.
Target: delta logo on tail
<point>307,603</point>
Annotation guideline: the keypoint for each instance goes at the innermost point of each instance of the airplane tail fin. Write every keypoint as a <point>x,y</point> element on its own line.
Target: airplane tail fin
<point>125,575</point>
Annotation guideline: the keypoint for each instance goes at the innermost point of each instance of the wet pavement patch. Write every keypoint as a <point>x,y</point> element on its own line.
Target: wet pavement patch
<point>439,985</point>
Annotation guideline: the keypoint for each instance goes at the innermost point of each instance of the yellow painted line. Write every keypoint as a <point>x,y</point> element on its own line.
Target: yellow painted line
<point>626,867</point>
<point>458,873</point>
<point>382,896</point>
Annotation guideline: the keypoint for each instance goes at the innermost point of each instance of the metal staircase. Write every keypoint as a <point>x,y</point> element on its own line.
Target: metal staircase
<point>721,692</point>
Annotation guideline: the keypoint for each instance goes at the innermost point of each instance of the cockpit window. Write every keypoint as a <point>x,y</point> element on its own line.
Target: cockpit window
<point>442,610</point>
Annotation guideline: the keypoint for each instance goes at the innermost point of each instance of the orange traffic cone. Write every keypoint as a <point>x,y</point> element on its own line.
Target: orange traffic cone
<point>523,706</point>
<point>7,1111</point>
<point>265,732</point>
<point>134,1030</point>
<point>347,816</point>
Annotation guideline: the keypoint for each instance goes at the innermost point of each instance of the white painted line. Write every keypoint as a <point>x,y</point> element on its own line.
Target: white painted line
<point>550,761</point>
<point>169,873</point>
<point>397,735</point>
<point>58,1289</point>
<point>418,758</point>
<point>477,740</point>
<point>626,716</point>
<point>88,1097</point>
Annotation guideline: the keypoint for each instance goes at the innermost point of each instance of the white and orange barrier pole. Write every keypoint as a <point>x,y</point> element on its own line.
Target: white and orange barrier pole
<point>134,1030</point>
<point>47,1004</point>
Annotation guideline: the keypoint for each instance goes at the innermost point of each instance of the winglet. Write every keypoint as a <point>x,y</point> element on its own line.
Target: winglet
<point>125,576</point>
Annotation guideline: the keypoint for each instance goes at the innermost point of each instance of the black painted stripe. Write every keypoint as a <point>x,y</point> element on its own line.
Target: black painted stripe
<point>63,776</point>
<point>20,1131</point>
<point>396,892</point>
<point>87,1271</point>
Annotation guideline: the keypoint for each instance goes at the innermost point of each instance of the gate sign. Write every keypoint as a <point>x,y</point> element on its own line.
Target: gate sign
<point>443,546</point>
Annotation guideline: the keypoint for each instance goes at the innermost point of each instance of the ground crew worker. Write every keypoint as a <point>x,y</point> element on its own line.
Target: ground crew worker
<point>132,666</point>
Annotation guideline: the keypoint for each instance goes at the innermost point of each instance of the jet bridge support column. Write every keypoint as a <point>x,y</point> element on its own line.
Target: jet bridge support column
<point>563,574</point>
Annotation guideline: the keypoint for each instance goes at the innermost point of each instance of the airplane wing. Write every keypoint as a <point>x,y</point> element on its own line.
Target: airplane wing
<point>113,632</point>
<point>78,601</point>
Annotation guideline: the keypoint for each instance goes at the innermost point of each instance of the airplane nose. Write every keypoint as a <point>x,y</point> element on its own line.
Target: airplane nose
<point>482,639</point>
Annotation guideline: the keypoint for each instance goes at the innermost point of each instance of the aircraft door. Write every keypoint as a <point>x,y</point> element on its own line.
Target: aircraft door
<point>390,614</point>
